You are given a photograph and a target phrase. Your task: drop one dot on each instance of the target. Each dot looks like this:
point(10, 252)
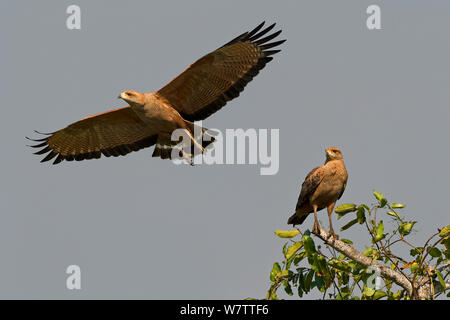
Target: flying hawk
point(151, 117)
point(322, 187)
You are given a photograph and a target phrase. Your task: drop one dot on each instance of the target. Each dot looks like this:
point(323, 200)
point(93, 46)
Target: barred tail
point(297, 218)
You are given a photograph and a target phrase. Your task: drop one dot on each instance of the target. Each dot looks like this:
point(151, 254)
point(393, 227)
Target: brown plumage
point(151, 117)
point(322, 187)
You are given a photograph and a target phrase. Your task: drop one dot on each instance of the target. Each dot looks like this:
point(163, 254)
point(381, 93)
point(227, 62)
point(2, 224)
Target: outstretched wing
point(221, 75)
point(312, 181)
point(113, 133)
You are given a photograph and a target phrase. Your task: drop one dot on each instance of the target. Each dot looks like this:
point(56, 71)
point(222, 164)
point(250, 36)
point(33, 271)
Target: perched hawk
point(322, 187)
point(151, 117)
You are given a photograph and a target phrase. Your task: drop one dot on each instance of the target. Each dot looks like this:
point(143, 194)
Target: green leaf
point(344, 296)
point(405, 228)
point(361, 215)
point(275, 270)
point(414, 267)
point(340, 266)
point(393, 213)
point(282, 274)
point(284, 248)
point(347, 241)
point(287, 233)
point(319, 283)
point(322, 264)
point(299, 257)
point(388, 284)
point(289, 262)
point(446, 242)
point(343, 209)
point(434, 252)
point(308, 243)
point(445, 231)
point(368, 291)
point(312, 260)
point(287, 288)
point(378, 295)
point(369, 252)
point(300, 292)
point(301, 284)
point(379, 232)
point(308, 280)
point(380, 198)
point(378, 195)
point(348, 225)
point(441, 279)
point(397, 295)
point(293, 249)
point(397, 206)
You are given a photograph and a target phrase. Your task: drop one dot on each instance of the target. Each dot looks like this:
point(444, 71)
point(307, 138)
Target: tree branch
point(353, 254)
point(424, 284)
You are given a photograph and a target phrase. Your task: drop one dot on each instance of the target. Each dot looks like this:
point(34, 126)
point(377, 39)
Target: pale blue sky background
point(141, 227)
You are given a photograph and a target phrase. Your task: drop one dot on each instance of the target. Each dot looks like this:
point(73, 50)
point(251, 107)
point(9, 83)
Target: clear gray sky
point(141, 227)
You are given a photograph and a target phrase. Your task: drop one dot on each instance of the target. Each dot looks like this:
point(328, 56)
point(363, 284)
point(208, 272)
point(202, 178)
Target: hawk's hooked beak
point(123, 96)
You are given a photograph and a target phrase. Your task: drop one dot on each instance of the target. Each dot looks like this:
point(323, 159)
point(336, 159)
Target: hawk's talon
point(331, 234)
point(315, 229)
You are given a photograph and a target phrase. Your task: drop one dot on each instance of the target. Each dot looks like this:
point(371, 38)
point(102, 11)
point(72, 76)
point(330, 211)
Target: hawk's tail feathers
point(297, 219)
